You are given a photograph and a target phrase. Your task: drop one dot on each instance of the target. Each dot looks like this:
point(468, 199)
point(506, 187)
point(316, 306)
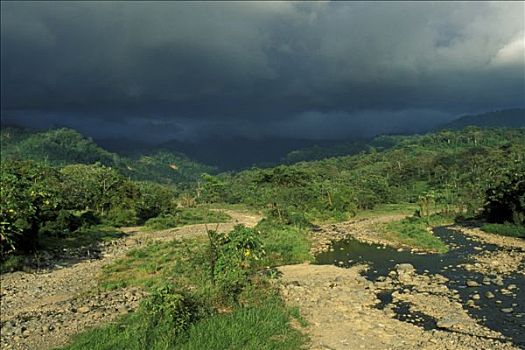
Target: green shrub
point(506, 229)
point(506, 201)
point(12, 263)
point(170, 309)
point(232, 257)
point(30, 196)
point(65, 222)
point(120, 217)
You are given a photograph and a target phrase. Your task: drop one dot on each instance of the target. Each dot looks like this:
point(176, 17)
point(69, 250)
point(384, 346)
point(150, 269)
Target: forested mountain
point(60, 147)
point(507, 118)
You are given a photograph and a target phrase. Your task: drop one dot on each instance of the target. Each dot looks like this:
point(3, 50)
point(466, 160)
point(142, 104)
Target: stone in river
point(471, 283)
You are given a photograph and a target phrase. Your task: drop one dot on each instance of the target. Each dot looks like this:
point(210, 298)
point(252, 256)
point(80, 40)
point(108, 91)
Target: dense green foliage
point(455, 168)
point(60, 147)
point(505, 202)
point(39, 201)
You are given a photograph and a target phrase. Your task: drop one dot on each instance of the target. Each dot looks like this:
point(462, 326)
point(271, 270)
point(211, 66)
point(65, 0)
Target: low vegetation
point(416, 232)
point(505, 229)
point(214, 293)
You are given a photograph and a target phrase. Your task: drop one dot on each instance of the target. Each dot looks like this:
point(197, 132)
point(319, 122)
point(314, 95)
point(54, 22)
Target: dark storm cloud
point(309, 69)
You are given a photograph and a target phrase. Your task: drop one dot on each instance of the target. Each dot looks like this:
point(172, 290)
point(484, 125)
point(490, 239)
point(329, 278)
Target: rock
point(498, 281)
point(448, 321)
point(489, 295)
point(471, 283)
point(84, 309)
point(507, 310)
point(511, 286)
point(476, 296)
point(405, 268)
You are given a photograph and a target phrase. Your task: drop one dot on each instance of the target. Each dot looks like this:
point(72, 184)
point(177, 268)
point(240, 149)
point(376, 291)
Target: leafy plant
point(232, 256)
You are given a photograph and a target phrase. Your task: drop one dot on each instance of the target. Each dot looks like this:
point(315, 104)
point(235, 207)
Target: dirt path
point(40, 311)
point(341, 306)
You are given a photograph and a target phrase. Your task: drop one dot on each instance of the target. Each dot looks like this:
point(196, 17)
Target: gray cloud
point(316, 70)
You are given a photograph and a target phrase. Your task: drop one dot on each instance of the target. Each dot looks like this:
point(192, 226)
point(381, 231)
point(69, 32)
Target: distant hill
point(507, 118)
point(60, 147)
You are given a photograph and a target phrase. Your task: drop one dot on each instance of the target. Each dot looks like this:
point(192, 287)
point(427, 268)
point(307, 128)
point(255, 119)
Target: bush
point(65, 222)
point(119, 217)
point(30, 196)
point(232, 256)
point(154, 200)
point(170, 309)
point(506, 229)
point(506, 201)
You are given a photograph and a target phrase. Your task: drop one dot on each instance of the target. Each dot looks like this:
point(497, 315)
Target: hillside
point(507, 118)
point(60, 147)
point(453, 167)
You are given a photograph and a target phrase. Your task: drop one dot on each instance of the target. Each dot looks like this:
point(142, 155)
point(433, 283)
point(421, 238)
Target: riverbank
point(466, 297)
point(341, 307)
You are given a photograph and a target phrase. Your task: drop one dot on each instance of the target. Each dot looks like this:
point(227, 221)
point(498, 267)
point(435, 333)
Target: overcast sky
point(316, 70)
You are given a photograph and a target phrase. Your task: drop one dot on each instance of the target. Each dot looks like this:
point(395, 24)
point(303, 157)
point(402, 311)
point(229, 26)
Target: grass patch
point(197, 315)
point(180, 262)
point(250, 328)
point(187, 216)
point(283, 244)
point(415, 232)
point(506, 229)
point(191, 326)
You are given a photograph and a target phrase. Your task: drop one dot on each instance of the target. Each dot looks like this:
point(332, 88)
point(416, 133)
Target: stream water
point(383, 259)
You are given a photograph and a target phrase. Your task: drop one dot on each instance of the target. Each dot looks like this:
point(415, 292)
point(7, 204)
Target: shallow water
point(383, 259)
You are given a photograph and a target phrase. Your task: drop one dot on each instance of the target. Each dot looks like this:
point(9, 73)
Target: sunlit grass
point(416, 233)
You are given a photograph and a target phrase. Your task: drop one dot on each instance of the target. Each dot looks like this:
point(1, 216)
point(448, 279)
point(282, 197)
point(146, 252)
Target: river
point(504, 313)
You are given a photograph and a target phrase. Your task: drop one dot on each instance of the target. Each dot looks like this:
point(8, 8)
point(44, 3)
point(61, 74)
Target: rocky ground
point(341, 309)
point(41, 310)
point(344, 310)
point(503, 262)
